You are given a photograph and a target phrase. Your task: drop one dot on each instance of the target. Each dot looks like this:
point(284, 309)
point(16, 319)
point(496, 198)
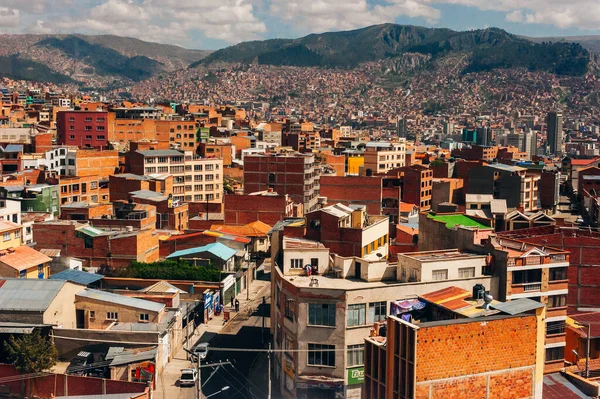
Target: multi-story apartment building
point(82, 188)
point(182, 134)
point(349, 231)
point(383, 156)
point(513, 183)
point(195, 179)
point(293, 174)
point(82, 128)
point(319, 322)
point(416, 185)
point(58, 161)
point(538, 273)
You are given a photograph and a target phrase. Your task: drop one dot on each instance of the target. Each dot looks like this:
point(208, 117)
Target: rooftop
point(216, 249)
point(77, 276)
point(254, 229)
point(161, 153)
point(434, 256)
point(301, 243)
point(6, 225)
point(22, 258)
point(117, 299)
point(456, 219)
point(28, 295)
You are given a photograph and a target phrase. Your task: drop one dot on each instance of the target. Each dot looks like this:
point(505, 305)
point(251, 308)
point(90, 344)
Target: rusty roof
point(22, 258)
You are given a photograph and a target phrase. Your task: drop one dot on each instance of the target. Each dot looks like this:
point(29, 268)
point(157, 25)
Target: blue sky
point(213, 24)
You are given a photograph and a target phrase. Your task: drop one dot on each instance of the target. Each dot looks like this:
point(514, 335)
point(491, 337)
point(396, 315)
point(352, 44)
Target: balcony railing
point(528, 287)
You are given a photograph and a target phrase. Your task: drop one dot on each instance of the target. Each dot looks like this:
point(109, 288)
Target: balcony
point(530, 287)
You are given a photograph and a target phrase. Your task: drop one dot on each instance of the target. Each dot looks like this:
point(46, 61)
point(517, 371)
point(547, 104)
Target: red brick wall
point(54, 385)
point(353, 190)
point(244, 209)
point(77, 136)
point(471, 348)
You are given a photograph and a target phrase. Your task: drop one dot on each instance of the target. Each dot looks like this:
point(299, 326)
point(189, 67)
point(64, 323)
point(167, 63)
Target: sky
point(214, 24)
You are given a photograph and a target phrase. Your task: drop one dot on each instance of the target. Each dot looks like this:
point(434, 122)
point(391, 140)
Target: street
point(246, 375)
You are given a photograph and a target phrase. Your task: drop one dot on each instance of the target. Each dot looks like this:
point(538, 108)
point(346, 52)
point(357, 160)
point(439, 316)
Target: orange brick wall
point(508, 385)
point(97, 163)
point(456, 349)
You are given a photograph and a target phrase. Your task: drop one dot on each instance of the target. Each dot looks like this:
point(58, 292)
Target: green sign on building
point(356, 375)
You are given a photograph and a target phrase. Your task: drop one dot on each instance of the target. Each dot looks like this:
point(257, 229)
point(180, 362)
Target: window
point(466, 272)
point(72, 128)
point(271, 177)
point(71, 137)
point(100, 138)
point(555, 327)
point(17, 234)
point(100, 128)
point(6, 236)
point(377, 311)
point(99, 119)
point(88, 128)
point(144, 317)
point(162, 159)
point(88, 119)
point(321, 355)
point(289, 309)
point(553, 354)
point(112, 316)
point(88, 137)
point(321, 314)
point(527, 276)
point(356, 355)
point(557, 301)
point(558, 273)
point(438, 275)
point(92, 314)
point(357, 314)
point(295, 263)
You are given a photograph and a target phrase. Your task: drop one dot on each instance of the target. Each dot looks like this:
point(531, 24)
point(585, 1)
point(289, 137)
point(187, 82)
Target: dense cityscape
point(296, 223)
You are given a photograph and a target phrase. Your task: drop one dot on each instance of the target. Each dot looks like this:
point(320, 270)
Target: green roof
point(456, 219)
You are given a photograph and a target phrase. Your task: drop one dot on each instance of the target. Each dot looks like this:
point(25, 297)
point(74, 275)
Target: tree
point(31, 353)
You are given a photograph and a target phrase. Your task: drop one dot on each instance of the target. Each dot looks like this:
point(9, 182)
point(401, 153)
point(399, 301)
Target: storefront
point(319, 388)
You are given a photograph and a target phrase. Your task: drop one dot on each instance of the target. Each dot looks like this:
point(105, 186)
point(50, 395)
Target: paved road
point(246, 377)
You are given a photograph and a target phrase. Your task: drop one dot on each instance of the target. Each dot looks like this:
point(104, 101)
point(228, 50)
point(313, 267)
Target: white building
point(59, 160)
point(383, 156)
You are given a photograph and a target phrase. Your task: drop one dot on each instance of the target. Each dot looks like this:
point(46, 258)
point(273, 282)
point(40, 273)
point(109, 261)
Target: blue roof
point(77, 276)
point(14, 148)
point(216, 248)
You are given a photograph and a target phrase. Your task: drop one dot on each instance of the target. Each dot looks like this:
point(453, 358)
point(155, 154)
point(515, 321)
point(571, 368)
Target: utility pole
point(199, 378)
point(269, 357)
point(587, 351)
point(262, 332)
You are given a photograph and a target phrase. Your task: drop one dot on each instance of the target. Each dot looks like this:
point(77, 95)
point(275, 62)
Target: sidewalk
point(167, 383)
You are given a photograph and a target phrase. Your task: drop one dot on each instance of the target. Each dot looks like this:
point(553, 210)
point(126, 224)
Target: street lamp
point(587, 349)
point(226, 387)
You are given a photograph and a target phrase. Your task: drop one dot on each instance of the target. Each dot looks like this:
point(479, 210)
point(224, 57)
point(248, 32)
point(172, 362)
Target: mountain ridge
point(348, 49)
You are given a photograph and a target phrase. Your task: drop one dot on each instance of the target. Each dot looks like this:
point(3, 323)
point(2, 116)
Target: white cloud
point(9, 18)
point(324, 15)
point(583, 14)
point(515, 16)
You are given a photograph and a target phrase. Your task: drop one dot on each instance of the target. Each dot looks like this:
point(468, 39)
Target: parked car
point(80, 364)
point(188, 378)
point(201, 351)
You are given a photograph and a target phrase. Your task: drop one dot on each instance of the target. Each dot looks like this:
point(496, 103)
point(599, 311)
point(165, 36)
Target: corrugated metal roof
point(22, 258)
point(28, 295)
point(77, 276)
point(517, 306)
point(128, 357)
point(162, 286)
point(91, 231)
point(137, 303)
point(216, 248)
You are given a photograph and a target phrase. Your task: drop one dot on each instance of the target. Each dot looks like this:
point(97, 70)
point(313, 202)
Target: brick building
point(76, 189)
point(293, 174)
point(381, 157)
point(217, 149)
point(121, 185)
point(363, 190)
point(584, 252)
point(82, 128)
point(266, 206)
point(94, 246)
point(415, 182)
point(349, 231)
point(96, 163)
point(419, 356)
point(182, 134)
point(195, 179)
